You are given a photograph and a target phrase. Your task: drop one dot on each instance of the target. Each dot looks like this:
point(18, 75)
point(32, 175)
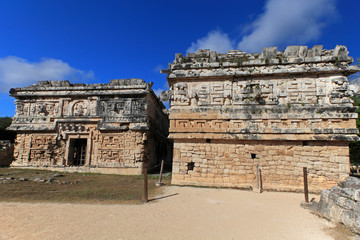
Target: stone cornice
point(294, 60)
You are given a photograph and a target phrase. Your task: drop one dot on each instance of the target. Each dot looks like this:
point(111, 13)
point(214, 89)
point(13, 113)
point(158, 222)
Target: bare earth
point(184, 213)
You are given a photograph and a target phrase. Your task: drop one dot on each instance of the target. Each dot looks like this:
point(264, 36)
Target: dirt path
point(186, 213)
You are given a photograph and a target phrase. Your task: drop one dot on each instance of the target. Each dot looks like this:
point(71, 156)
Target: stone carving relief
point(283, 91)
point(19, 110)
point(340, 93)
point(41, 149)
point(111, 141)
point(322, 93)
point(122, 107)
point(59, 153)
point(40, 157)
point(110, 157)
point(218, 93)
point(254, 92)
point(20, 152)
point(166, 95)
point(80, 108)
point(180, 95)
point(203, 94)
point(66, 128)
point(42, 141)
point(137, 107)
point(36, 110)
point(257, 125)
point(301, 91)
point(110, 150)
point(267, 93)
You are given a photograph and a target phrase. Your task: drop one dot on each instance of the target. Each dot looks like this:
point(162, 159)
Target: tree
point(5, 134)
point(5, 122)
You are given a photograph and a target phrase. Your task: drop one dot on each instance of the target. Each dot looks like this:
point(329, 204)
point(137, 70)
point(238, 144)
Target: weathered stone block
point(339, 203)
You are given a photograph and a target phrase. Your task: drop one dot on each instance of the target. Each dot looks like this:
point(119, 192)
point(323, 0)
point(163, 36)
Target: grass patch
point(29, 185)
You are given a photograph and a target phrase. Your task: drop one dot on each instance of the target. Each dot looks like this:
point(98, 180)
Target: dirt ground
point(179, 213)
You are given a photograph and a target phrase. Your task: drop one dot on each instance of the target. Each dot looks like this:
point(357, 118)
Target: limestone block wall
point(222, 163)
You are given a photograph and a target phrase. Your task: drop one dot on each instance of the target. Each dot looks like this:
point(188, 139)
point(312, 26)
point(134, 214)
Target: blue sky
point(93, 41)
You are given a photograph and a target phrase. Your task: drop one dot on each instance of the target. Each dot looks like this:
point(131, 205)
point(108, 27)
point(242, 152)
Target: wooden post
point(159, 184)
point(161, 170)
point(260, 182)
point(306, 187)
point(145, 182)
point(257, 177)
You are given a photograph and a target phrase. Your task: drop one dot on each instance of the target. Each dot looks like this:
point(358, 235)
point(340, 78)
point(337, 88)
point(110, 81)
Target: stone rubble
point(341, 203)
point(45, 179)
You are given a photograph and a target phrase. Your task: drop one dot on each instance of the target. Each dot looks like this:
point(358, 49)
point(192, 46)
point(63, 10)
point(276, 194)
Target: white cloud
point(283, 22)
point(165, 87)
point(19, 72)
point(158, 91)
point(288, 22)
point(215, 41)
point(158, 68)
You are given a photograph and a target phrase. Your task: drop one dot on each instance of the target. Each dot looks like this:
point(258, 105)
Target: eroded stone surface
point(342, 203)
point(289, 109)
point(113, 127)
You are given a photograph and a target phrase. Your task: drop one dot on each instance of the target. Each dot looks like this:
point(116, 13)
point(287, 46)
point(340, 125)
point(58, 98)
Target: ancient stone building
point(107, 128)
point(282, 110)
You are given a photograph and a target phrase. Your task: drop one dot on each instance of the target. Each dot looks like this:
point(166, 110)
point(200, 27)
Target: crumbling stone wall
point(341, 203)
point(112, 119)
point(290, 109)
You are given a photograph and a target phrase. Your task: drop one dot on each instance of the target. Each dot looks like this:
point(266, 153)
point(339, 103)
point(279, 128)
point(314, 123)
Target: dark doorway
point(77, 152)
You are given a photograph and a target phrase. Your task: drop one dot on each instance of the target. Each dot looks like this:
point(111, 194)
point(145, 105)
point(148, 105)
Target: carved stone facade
point(107, 128)
point(280, 110)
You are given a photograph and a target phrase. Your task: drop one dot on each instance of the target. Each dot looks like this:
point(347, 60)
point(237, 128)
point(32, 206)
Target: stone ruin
point(278, 110)
point(230, 114)
point(107, 128)
point(341, 204)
